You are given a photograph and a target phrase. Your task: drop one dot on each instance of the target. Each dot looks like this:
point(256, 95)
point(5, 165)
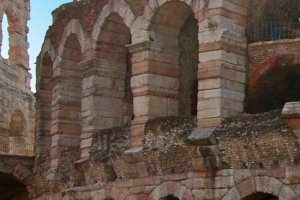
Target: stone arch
point(170, 25)
point(49, 48)
point(170, 188)
point(20, 141)
point(167, 20)
point(44, 101)
point(14, 174)
point(263, 184)
point(270, 63)
point(110, 96)
point(280, 72)
point(119, 7)
point(45, 67)
point(12, 24)
point(11, 188)
point(114, 58)
point(18, 124)
point(153, 5)
point(73, 27)
point(67, 92)
point(17, 31)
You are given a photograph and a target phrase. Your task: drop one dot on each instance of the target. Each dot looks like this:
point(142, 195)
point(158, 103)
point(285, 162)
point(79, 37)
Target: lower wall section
point(229, 184)
point(248, 157)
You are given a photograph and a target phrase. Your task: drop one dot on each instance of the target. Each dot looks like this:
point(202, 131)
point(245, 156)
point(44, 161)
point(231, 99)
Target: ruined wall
point(17, 101)
point(136, 61)
point(245, 155)
point(117, 116)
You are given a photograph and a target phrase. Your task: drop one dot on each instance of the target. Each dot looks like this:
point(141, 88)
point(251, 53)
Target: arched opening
point(260, 196)
point(11, 189)
point(274, 88)
point(69, 87)
point(188, 67)
point(44, 107)
point(4, 40)
point(169, 197)
point(116, 61)
point(17, 124)
point(66, 103)
point(175, 26)
point(20, 142)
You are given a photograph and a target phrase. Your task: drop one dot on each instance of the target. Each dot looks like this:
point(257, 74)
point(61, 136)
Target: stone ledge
point(291, 110)
point(291, 114)
point(203, 136)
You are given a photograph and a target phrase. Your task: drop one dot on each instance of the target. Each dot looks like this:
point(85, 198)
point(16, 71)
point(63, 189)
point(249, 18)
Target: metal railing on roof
point(269, 31)
point(19, 149)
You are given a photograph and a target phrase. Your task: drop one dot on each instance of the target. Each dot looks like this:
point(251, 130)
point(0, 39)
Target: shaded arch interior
point(111, 46)
point(175, 26)
point(260, 196)
point(17, 124)
point(274, 88)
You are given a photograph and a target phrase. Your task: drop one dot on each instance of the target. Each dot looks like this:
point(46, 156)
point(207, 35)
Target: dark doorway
point(261, 196)
point(169, 197)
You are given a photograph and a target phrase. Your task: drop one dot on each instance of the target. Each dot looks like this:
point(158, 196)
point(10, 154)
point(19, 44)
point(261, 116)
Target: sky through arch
point(39, 23)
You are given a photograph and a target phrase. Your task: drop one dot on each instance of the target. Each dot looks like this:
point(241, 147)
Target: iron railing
point(21, 149)
point(269, 31)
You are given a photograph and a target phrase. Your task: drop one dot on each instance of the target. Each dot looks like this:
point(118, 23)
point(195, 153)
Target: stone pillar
point(43, 124)
point(221, 71)
point(66, 119)
point(103, 89)
point(155, 84)
point(291, 115)
point(18, 14)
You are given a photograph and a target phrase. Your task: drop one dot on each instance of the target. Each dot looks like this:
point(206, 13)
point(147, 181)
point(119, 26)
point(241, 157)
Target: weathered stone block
point(202, 136)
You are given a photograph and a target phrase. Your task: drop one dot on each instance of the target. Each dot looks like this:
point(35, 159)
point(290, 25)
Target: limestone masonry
point(154, 100)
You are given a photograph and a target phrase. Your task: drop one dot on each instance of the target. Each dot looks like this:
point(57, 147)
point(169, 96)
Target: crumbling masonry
point(146, 99)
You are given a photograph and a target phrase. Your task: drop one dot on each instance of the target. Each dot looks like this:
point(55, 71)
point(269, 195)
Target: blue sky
point(39, 23)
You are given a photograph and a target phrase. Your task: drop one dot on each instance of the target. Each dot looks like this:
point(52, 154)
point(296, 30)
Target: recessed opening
point(111, 46)
point(260, 196)
point(188, 67)
point(17, 124)
point(169, 197)
point(274, 88)
point(5, 37)
point(174, 26)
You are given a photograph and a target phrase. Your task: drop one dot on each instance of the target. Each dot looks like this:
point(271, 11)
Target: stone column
point(155, 84)
point(103, 89)
point(221, 71)
point(43, 124)
point(291, 115)
point(66, 120)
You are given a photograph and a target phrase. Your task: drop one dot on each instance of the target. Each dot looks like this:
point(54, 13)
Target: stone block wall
point(17, 101)
point(137, 97)
point(139, 60)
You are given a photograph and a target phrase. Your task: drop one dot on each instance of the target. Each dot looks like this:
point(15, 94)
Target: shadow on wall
point(274, 88)
point(261, 196)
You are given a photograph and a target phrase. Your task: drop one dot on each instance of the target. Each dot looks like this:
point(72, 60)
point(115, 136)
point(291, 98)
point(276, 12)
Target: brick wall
point(261, 51)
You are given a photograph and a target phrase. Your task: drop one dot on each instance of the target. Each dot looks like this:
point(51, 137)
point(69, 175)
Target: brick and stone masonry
point(17, 116)
point(143, 99)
